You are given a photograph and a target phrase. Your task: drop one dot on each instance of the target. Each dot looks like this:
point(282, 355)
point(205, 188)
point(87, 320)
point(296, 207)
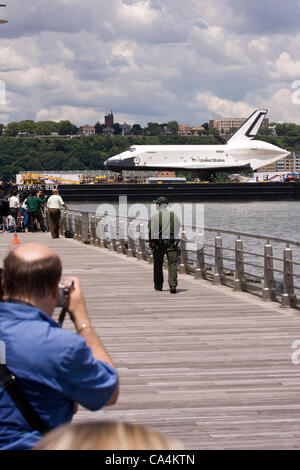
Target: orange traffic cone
point(16, 241)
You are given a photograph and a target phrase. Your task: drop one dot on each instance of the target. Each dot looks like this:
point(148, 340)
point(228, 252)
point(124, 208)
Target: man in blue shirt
point(55, 368)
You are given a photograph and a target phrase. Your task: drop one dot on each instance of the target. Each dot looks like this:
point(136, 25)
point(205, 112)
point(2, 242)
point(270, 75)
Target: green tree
point(265, 131)
point(12, 129)
point(136, 129)
point(288, 129)
point(99, 128)
point(46, 127)
point(154, 128)
point(27, 126)
point(117, 128)
point(214, 131)
point(173, 127)
point(66, 128)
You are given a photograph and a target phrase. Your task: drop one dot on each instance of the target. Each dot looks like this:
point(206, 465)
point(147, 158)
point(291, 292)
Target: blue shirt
point(54, 367)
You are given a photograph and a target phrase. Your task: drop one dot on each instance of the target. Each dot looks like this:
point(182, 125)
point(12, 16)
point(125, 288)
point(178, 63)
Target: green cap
point(161, 200)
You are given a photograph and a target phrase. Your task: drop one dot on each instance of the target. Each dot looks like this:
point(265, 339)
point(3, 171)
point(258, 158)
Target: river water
point(278, 219)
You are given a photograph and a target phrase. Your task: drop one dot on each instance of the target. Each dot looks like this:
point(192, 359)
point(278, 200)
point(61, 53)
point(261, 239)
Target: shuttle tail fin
point(250, 128)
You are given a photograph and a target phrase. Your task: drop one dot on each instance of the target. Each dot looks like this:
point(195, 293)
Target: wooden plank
point(208, 366)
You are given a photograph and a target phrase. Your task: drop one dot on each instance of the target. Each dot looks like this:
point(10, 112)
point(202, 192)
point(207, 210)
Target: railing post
point(64, 224)
point(85, 227)
point(239, 275)
point(76, 228)
point(150, 256)
point(79, 221)
point(61, 222)
point(101, 232)
point(121, 246)
point(112, 244)
point(182, 269)
point(141, 253)
point(96, 239)
point(200, 258)
point(130, 251)
point(288, 298)
point(93, 230)
point(269, 290)
point(219, 270)
point(70, 223)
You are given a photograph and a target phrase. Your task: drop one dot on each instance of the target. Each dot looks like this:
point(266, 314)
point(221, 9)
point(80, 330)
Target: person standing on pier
point(54, 205)
point(164, 227)
point(33, 205)
point(14, 204)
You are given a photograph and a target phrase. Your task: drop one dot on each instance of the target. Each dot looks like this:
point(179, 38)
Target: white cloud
point(283, 108)
point(72, 113)
point(148, 59)
point(138, 12)
point(285, 67)
point(11, 60)
point(223, 107)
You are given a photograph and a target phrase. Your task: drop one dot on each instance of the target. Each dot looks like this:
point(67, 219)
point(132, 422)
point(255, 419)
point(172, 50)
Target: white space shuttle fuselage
point(239, 152)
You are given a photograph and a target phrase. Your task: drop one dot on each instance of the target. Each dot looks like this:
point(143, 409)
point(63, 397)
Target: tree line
point(66, 127)
point(86, 153)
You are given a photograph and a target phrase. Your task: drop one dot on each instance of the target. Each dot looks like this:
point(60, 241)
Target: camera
point(63, 293)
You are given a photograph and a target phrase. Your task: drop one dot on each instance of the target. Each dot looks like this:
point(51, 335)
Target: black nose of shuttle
point(112, 163)
point(116, 164)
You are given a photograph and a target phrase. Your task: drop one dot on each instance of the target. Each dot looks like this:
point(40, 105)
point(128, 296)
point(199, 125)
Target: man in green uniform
point(164, 227)
point(34, 204)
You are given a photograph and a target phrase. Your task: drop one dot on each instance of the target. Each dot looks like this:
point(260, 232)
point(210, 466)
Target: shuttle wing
point(250, 128)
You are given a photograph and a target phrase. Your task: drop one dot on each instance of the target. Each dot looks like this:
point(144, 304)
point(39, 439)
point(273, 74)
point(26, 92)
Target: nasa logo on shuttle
point(136, 160)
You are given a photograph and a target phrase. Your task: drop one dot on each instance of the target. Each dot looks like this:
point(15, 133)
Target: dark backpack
point(69, 234)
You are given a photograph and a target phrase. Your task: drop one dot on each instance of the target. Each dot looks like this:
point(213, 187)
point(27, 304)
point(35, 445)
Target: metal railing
point(257, 264)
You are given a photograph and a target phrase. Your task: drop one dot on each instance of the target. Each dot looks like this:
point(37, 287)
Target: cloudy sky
point(149, 60)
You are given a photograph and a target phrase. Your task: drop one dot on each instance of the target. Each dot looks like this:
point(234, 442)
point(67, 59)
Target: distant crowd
point(21, 211)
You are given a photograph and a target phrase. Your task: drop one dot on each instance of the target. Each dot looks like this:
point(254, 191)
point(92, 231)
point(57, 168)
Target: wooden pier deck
point(208, 366)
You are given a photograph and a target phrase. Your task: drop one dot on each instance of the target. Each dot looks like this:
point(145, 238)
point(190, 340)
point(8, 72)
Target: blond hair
point(106, 436)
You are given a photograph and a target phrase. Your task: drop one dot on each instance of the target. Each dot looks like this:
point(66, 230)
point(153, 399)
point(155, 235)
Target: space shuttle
point(241, 152)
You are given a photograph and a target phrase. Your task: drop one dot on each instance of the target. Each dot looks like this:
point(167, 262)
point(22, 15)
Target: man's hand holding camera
point(76, 304)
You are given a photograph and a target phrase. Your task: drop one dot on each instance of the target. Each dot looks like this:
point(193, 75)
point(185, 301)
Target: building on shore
point(225, 125)
point(109, 119)
point(186, 130)
point(87, 130)
point(108, 131)
point(126, 128)
point(290, 164)
point(166, 174)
